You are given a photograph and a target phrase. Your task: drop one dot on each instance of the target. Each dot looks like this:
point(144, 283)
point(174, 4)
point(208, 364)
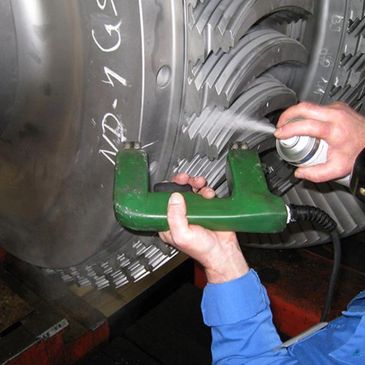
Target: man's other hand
point(340, 126)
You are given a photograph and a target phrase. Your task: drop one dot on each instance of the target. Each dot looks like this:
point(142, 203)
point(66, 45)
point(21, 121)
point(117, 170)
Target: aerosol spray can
point(305, 151)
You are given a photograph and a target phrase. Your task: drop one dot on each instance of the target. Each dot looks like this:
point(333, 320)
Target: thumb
point(176, 217)
point(318, 173)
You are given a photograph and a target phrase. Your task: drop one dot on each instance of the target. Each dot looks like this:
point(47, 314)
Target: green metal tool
point(250, 208)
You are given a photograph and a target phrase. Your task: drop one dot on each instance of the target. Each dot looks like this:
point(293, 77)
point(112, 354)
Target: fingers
point(177, 220)
point(196, 182)
point(166, 237)
point(307, 110)
point(340, 126)
point(319, 173)
point(181, 178)
point(207, 193)
point(304, 127)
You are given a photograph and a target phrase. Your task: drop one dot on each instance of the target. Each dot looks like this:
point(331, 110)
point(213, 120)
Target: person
point(235, 304)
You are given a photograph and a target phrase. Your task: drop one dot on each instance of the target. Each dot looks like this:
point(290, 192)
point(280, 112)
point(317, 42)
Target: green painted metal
point(250, 208)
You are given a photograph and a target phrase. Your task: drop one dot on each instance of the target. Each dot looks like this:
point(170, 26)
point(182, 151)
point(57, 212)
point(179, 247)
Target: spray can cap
point(297, 150)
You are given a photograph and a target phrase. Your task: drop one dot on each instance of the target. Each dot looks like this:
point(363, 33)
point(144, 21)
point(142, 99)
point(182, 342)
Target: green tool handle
point(250, 207)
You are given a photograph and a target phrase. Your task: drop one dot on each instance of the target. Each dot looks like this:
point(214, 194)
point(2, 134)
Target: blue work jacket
point(240, 318)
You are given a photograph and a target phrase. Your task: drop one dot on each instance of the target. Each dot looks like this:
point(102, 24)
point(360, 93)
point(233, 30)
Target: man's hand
point(218, 252)
point(339, 125)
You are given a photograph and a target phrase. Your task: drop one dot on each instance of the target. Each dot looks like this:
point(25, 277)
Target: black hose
point(316, 215)
point(312, 214)
point(333, 279)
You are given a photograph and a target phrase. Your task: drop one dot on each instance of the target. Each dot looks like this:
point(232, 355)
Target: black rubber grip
point(169, 187)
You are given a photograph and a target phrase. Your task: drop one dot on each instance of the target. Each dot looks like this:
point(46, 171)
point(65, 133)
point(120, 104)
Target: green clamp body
point(251, 207)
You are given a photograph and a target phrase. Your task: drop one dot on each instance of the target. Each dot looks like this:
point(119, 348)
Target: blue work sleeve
point(240, 318)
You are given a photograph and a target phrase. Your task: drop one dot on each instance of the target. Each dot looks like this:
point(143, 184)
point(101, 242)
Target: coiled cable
point(320, 217)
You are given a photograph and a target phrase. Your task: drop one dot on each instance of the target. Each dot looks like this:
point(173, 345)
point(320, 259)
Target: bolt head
point(244, 146)
point(240, 146)
point(131, 145)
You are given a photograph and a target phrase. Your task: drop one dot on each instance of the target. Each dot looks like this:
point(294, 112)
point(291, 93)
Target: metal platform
point(44, 321)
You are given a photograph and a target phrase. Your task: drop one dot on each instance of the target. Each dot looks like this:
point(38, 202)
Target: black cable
point(316, 215)
point(333, 279)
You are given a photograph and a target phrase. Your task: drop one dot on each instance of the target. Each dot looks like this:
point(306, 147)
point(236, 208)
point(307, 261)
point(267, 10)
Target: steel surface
point(78, 78)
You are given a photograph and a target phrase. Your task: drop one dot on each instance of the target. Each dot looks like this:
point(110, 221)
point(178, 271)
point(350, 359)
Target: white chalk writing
point(112, 128)
point(103, 5)
point(109, 74)
point(110, 30)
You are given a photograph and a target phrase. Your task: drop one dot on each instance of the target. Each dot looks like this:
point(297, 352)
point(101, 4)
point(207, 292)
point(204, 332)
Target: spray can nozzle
point(302, 150)
point(290, 142)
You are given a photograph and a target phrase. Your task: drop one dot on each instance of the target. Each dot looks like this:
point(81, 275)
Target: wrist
point(230, 265)
point(220, 277)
